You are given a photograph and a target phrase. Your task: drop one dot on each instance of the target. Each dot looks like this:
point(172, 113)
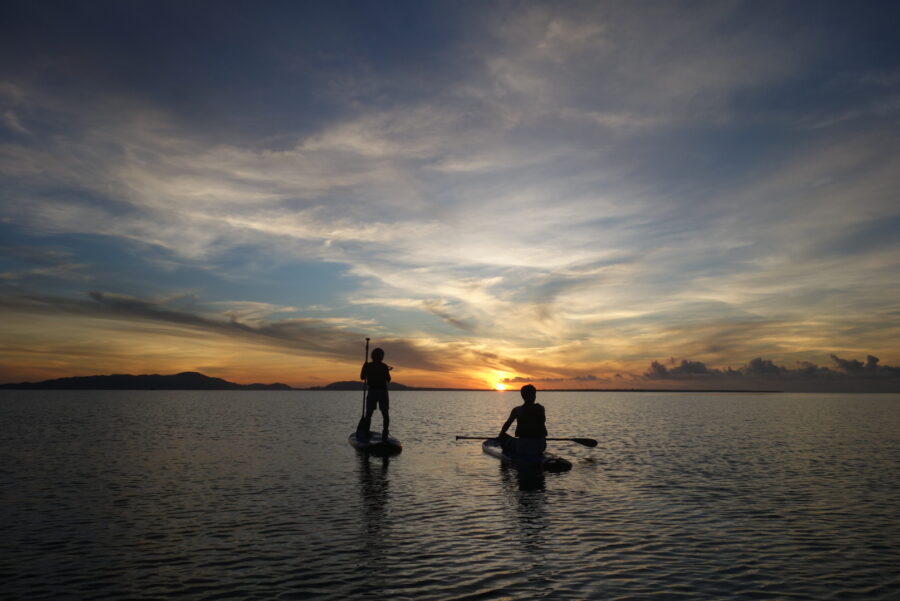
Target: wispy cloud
point(592, 184)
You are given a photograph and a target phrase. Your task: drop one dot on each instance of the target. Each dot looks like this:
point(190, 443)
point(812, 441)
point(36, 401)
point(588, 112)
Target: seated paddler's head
point(528, 393)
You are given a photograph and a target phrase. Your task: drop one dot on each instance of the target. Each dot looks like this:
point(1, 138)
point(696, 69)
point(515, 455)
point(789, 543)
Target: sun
point(499, 386)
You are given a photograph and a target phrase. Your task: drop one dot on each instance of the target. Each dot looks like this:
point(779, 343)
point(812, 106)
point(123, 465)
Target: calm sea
point(257, 495)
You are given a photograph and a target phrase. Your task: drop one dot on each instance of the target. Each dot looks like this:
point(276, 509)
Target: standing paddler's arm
point(362, 372)
point(508, 423)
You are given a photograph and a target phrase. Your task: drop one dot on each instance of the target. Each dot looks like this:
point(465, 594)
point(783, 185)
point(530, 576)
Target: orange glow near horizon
point(44, 346)
point(496, 380)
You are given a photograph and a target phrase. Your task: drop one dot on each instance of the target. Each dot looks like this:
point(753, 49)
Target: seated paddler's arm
point(508, 423)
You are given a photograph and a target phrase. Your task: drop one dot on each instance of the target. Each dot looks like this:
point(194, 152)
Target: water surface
point(257, 495)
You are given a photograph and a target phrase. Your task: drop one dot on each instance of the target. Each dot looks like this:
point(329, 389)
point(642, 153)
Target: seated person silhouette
point(531, 432)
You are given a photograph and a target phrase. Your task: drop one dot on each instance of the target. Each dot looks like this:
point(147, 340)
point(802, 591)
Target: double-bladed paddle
point(588, 442)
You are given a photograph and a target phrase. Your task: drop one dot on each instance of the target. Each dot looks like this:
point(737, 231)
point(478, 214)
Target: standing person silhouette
point(377, 374)
point(531, 431)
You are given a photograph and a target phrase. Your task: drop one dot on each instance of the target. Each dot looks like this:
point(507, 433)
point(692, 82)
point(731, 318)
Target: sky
point(573, 194)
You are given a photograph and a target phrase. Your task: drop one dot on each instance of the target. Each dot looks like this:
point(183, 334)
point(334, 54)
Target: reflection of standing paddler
point(374, 486)
point(375, 495)
point(376, 374)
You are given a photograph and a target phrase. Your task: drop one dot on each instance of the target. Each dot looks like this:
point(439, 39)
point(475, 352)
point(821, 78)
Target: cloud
point(13, 123)
point(759, 371)
point(605, 182)
point(328, 337)
point(870, 368)
point(526, 379)
point(686, 368)
point(34, 265)
point(70, 271)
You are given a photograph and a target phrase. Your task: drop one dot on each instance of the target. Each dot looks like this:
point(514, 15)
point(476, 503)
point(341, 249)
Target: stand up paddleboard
point(547, 461)
point(374, 444)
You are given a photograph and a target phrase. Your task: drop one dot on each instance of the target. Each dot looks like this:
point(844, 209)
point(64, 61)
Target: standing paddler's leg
point(385, 408)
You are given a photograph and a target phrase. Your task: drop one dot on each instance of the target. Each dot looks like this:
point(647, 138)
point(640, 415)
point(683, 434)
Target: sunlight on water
point(257, 495)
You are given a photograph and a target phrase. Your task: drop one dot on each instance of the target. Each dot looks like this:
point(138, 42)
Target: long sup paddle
point(362, 429)
point(588, 442)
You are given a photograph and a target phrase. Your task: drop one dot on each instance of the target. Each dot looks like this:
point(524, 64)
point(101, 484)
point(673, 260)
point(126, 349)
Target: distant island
point(188, 380)
point(358, 385)
point(192, 380)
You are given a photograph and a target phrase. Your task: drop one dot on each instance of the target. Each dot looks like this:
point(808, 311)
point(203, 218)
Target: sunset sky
point(494, 192)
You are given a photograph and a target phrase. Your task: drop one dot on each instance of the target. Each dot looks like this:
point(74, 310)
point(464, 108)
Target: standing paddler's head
point(528, 394)
point(377, 355)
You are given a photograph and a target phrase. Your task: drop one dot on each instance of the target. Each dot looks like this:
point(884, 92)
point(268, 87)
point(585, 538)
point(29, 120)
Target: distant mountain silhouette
point(357, 385)
point(191, 380)
point(188, 380)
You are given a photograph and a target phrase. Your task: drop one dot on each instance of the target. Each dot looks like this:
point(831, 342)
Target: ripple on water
point(258, 496)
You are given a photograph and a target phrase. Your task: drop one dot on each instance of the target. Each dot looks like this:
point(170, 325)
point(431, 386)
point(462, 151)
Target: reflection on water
point(210, 496)
point(525, 492)
point(374, 490)
point(524, 478)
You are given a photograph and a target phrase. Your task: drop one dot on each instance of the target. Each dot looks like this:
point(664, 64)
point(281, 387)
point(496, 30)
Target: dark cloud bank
point(845, 375)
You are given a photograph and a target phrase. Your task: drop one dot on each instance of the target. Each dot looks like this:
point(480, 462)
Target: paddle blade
point(588, 442)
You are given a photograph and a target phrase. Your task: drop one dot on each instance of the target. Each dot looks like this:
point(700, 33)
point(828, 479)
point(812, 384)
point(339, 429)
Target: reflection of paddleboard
point(373, 444)
point(547, 461)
